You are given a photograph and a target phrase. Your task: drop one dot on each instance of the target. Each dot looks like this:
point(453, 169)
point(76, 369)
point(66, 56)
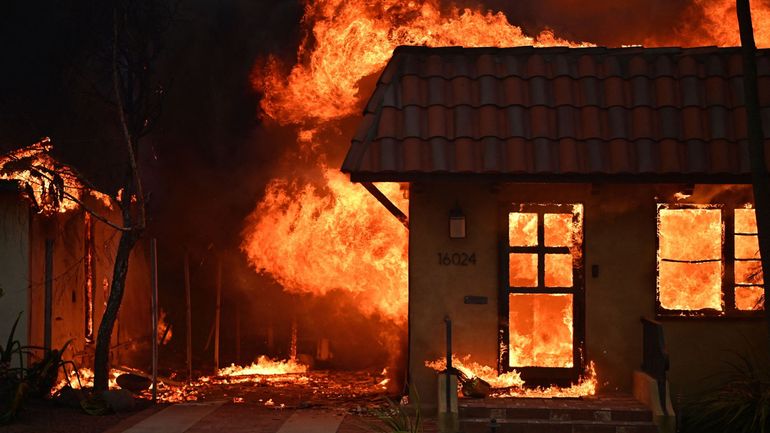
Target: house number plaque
point(456, 259)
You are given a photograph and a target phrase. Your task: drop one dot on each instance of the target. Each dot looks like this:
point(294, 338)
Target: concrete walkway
point(175, 419)
point(315, 421)
point(217, 417)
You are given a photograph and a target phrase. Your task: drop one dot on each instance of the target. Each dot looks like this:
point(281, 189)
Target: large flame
point(314, 240)
point(690, 258)
point(350, 40)
point(715, 22)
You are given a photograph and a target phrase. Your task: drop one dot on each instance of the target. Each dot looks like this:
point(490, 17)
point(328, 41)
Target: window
point(708, 261)
point(543, 285)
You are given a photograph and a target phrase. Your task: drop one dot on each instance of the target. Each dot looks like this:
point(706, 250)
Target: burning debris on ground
point(283, 385)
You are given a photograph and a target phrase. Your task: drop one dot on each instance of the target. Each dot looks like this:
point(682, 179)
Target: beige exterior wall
point(620, 238)
point(14, 269)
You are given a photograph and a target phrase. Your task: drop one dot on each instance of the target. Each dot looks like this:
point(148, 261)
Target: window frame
point(728, 285)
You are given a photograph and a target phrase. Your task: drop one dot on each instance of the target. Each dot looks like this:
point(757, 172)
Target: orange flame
point(690, 258)
point(351, 40)
point(165, 330)
point(541, 325)
point(86, 376)
point(512, 385)
point(37, 172)
point(747, 266)
point(316, 241)
point(717, 24)
point(264, 366)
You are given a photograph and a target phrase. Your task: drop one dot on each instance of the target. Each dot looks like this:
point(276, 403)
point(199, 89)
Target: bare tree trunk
point(759, 173)
point(117, 288)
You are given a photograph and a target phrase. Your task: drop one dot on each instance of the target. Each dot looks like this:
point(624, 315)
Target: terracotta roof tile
point(537, 111)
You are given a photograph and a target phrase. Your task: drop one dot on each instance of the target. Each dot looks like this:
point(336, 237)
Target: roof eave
point(619, 178)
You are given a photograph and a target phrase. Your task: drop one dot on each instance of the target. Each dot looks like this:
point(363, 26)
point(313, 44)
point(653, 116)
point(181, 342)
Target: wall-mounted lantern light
point(456, 223)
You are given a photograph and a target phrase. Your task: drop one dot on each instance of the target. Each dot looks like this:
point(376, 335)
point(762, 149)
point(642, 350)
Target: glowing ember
point(264, 366)
point(690, 258)
point(165, 331)
point(86, 376)
point(40, 176)
point(511, 385)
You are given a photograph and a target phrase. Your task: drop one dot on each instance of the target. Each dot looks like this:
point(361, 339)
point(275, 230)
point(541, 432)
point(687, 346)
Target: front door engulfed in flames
point(541, 301)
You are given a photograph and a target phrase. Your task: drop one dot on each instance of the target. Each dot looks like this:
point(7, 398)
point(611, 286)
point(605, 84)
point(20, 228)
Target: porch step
point(603, 414)
point(481, 425)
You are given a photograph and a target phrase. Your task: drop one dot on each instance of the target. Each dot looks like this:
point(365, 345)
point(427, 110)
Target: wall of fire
point(620, 245)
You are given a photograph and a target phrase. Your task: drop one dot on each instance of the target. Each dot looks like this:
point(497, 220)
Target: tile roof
point(558, 113)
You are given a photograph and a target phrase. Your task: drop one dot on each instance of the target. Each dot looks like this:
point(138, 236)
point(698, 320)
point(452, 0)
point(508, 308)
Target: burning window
point(748, 266)
point(544, 259)
point(693, 269)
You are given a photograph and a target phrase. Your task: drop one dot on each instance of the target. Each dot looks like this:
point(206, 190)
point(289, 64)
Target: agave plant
point(12, 385)
point(739, 403)
point(18, 382)
point(395, 418)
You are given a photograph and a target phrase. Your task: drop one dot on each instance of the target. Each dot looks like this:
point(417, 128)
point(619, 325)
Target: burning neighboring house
point(557, 195)
point(58, 260)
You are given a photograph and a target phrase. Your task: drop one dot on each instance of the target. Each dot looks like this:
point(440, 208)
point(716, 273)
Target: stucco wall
point(130, 338)
point(620, 238)
point(14, 272)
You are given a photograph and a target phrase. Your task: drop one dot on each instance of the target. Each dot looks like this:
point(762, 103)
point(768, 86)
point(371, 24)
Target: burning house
point(557, 196)
point(57, 263)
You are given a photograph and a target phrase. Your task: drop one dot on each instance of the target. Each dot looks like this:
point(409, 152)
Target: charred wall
point(131, 335)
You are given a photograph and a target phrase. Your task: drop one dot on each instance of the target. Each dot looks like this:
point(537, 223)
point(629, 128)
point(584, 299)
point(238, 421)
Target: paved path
point(178, 418)
point(216, 417)
point(312, 421)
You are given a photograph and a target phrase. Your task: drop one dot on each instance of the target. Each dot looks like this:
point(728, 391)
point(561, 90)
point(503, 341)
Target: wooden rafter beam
point(385, 201)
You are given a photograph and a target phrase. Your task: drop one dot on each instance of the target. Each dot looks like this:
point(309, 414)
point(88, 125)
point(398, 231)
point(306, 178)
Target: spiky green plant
point(738, 403)
point(397, 418)
point(12, 386)
point(17, 383)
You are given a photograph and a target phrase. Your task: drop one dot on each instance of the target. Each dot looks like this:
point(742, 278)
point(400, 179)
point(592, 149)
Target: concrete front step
point(482, 425)
point(616, 413)
point(605, 409)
